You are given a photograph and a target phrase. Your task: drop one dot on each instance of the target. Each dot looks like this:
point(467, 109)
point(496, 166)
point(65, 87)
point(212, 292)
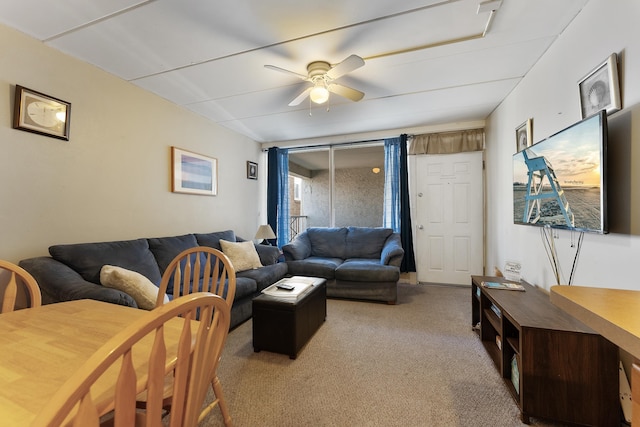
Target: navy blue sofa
point(73, 271)
point(358, 262)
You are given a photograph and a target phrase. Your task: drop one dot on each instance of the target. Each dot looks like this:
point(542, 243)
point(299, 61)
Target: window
point(338, 186)
point(297, 189)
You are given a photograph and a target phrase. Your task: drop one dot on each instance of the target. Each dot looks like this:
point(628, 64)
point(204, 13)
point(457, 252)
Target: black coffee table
point(282, 326)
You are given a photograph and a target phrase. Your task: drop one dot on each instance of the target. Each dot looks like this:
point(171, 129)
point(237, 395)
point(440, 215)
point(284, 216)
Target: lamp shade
point(265, 232)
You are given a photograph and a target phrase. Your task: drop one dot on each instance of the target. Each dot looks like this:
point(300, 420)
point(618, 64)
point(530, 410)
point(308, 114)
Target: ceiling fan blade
point(300, 97)
point(282, 70)
point(347, 92)
point(351, 63)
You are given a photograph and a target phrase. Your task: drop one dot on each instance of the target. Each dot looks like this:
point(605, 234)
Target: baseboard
point(410, 278)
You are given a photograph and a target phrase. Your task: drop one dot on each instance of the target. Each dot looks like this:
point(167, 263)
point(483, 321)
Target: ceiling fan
point(321, 74)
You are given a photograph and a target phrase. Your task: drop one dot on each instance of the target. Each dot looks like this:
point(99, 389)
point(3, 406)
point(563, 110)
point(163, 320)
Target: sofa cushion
point(245, 287)
point(314, 267)
point(327, 242)
point(212, 240)
point(141, 289)
point(165, 249)
point(268, 254)
point(366, 242)
point(88, 258)
point(267, 275)
point(243, 255)
point(366, 270)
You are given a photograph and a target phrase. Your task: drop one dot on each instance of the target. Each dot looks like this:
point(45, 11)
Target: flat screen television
point(561, 181)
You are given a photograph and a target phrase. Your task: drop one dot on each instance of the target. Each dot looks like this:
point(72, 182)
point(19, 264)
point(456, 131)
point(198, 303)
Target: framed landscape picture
point(600, 89)
point(193, 173)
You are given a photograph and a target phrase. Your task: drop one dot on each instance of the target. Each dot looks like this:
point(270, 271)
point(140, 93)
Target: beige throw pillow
point(243, 255)
point(141, 289)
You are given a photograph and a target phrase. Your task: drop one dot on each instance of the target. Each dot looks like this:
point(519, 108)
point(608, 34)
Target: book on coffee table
point(290, 288)
point(510, 286)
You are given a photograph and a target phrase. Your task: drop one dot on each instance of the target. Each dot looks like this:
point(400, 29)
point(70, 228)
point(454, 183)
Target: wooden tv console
point(563, 370)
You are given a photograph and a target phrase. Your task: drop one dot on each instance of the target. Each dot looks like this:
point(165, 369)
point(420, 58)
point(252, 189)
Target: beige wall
point(111, 181)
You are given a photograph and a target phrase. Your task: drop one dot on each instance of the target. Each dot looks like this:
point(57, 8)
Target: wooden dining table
point(42, 347)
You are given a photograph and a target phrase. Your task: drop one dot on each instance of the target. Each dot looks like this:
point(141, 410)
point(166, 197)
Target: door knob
point(420, 227)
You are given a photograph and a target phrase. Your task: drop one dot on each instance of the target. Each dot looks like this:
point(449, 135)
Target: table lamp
point(265, 232)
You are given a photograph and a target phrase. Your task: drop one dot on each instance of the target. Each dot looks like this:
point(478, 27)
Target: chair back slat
point(125, 397)
point(86, 413)
point(10, 294)
point(155, 386)
point(208, 283)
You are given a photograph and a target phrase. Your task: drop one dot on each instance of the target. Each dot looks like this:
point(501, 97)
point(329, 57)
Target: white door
point(449, 217)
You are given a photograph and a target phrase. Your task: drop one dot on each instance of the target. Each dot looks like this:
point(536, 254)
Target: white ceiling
point(209, 55)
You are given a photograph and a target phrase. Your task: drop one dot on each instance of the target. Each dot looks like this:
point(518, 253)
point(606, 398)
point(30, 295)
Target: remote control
point(285, 287)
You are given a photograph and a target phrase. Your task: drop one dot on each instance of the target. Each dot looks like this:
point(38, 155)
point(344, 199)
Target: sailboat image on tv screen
point(556, 209)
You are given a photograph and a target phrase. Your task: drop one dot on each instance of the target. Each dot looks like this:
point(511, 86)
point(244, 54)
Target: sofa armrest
point(268, 254)
point(392, 252)
point(58, 282)
point(299, 248)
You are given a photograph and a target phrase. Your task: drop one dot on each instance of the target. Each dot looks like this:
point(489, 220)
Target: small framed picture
point(252, 170)
point(600, 89)
point(39, 113)
point(193, 173)
point(524, 135)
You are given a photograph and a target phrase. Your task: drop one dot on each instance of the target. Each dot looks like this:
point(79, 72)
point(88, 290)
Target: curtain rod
point(339, 144)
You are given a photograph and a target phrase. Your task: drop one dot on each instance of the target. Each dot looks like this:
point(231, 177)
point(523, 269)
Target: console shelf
point(554, 366)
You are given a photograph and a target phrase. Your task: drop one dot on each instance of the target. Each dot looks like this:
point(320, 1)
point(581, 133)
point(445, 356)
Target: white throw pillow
point(243, 255)
point(141, 289)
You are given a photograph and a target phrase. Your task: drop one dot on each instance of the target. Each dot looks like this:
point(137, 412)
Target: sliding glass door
point(358, 186)
point(336, 186)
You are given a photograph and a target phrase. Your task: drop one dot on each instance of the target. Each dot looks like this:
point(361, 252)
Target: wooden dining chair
point(206, 269)
point(190, 361)
point(18, 276)
point(199, 269)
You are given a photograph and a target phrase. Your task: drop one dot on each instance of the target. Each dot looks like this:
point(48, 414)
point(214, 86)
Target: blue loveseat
point(358, 262)
point(73, 271)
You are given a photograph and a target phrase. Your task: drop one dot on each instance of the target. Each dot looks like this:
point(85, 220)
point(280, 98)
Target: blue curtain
point(391, 213)
point(397, 213)
point(278, 193)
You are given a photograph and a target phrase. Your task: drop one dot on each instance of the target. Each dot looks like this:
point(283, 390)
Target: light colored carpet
point(417, 363)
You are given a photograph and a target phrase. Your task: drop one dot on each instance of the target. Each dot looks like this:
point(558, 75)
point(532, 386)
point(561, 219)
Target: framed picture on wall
point(600, 89)
point(252, 170)
point(40, 113)
point(193, 173)
point(524, 135)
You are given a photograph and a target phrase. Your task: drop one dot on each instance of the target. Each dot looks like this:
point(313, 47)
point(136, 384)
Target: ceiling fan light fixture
point(319, 94)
